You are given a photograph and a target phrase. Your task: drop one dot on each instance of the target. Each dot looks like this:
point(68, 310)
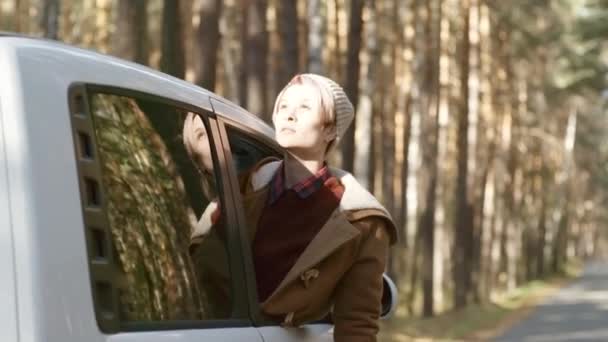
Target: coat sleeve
point(357, 300)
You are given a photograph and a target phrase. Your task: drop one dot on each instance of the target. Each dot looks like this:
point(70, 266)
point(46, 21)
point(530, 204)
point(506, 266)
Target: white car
point(98, 202)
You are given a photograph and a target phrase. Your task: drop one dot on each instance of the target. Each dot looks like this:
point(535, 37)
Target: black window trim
point(253, 134)
point(258, 317)
point(108, 321)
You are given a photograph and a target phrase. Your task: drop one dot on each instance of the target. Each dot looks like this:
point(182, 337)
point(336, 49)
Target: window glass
point(160, 198)
point(247, 151)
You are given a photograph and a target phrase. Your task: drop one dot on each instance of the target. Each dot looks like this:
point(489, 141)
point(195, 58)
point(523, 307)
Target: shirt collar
point(303, 189)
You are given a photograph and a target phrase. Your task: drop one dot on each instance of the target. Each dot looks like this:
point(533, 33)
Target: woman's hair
point(336, 109)
point(326, 99)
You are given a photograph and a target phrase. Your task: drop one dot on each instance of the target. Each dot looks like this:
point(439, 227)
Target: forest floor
point(480, 322)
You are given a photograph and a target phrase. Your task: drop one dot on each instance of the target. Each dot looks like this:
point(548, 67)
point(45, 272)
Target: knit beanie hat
point(343, 109)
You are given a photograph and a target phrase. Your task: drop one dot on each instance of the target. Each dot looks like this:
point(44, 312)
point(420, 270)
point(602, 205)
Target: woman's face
point(197, 141)
point(299, 123)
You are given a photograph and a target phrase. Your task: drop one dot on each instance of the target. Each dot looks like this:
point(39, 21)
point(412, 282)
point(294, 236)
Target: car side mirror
point(389, 297)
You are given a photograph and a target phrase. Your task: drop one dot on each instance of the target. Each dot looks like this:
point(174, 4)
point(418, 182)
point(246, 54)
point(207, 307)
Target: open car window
point(144, 202)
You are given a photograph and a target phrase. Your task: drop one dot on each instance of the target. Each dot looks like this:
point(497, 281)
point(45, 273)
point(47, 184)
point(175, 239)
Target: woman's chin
point(285, 142)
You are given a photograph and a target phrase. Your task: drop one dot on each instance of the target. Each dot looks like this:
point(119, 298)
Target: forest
point(479, 123)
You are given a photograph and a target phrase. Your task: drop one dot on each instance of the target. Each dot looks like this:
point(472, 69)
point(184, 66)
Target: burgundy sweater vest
point(285, 229)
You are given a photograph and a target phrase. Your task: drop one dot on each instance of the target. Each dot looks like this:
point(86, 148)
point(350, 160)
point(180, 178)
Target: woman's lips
point(287, 130)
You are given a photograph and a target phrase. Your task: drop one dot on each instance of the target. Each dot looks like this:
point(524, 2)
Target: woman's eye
point(305, 106)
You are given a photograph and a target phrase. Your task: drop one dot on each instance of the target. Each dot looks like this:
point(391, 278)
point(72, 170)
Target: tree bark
point(287, 14)
point(462, 231)
point(316, 34)
point(172, 59)
point(542, 227)
point(131, 38)
point(207, 44)
point(364, 117)
point(351, 84)
point(255, 51)
point(49, 23)
point(430, 150)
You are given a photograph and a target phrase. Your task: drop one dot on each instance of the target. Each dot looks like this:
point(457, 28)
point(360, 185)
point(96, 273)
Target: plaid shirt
point(303, 189)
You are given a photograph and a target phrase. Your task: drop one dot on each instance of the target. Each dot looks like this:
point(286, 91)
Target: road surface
point(578, 312)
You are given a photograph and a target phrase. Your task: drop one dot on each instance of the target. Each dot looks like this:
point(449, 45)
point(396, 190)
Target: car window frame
point(272, 146)
point(109, 321)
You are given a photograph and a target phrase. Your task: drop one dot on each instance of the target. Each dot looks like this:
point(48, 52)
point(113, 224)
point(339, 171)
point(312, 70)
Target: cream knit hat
point(342, 107)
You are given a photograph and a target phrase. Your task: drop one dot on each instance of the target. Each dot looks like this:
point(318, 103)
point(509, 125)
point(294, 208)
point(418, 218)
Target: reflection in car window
point(154, 197)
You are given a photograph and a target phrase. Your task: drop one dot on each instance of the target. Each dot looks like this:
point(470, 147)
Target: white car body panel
point(8, 298)
point(308, 333)
point(194, 335)
point(50, 295)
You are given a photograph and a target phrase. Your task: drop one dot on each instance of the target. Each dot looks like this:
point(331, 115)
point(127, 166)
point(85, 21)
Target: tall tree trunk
point(462, 231)
point(255, 52)
point(542, 228)
point(49, 22)
point(231, 46)
point(131, 38)
point(101, 40)
point(207, 43)
point(482, 145)
point(387, 108)
point(351, 85)
point(317, 12)
point(430, 150)
point(364, 117)
point(442, 244)
point(560, 244)
point(189, 14)
point(416, 142)
point(172, 59)
point(287, 21)
point(19, 17)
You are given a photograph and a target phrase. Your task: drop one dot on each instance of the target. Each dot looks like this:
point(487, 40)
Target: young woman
point(319, 239)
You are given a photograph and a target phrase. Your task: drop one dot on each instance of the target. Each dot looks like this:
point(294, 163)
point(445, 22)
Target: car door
point(246, 148)
point(8, 309)
point(143, 198)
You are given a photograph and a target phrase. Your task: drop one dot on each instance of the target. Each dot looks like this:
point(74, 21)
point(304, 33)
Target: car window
point(246, 150)
point(147, 206)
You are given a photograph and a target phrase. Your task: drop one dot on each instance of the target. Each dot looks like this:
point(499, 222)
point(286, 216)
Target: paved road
point(578, 312)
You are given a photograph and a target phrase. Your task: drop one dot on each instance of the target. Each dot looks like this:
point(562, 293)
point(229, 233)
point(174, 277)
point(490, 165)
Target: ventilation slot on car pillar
point(85, 147)
point(102, 266)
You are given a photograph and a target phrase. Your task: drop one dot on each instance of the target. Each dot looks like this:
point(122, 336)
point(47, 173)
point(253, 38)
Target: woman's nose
point(289, 114)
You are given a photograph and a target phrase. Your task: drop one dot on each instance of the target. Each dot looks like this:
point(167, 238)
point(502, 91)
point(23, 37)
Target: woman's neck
point(298, 169)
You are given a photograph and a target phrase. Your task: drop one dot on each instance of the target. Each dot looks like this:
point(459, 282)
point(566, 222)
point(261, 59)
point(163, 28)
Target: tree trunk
point(255, 51)
point(430, 145)
point(542, 230)
point(316, 35)
point(49, 23)
point(208, 41)
point(351, 85)
point(364, 117)
point(287, 21)
point(18, 16)
point(131, 38)
point(172, 59)
point(462, 231)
